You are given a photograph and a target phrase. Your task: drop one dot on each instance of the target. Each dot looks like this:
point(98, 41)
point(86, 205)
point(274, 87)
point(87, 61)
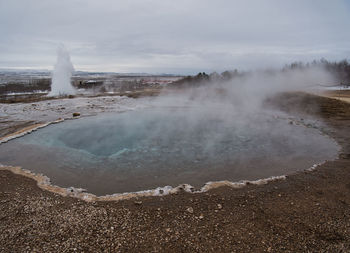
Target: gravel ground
point(51, 110)
point(307, 212)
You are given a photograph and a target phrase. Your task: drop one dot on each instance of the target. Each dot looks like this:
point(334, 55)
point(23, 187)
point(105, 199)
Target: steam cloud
point(239, 106)
point(61, 78)
point(246, 93)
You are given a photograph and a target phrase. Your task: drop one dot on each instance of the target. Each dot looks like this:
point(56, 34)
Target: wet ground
point(307, 212)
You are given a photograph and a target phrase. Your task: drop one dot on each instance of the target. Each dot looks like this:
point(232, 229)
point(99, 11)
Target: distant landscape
point(32, 81)
point(39, 81)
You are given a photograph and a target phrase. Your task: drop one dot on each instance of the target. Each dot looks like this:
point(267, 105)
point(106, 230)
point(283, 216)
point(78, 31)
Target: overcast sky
point(172, 36)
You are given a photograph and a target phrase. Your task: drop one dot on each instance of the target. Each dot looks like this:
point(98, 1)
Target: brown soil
point(10, 127)
point(307, 212)
point(343, 95)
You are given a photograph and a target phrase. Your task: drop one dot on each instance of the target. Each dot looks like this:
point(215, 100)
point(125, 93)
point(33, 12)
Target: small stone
point(201, 216)
point(138, 203)
point(219, 206)
point(190, 210)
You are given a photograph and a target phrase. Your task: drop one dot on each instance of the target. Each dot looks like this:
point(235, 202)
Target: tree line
point(339, 69)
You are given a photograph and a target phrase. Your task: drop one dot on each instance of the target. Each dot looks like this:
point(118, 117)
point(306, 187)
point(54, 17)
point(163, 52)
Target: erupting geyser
point(62, 73)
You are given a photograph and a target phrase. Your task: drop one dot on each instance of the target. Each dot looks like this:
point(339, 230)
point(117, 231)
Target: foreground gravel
point(307, 212)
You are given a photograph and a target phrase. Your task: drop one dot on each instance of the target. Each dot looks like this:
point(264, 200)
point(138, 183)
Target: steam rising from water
point(240, 104)
point(61, 78)
point(246, 94)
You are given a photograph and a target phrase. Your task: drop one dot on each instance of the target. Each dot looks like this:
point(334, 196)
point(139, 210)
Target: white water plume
point(62, 73)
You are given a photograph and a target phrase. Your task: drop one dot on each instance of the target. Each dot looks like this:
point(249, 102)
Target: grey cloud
point(172, 36)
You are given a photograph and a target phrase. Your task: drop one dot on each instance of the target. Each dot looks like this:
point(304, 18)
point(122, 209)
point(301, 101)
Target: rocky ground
point(53, 109)
point(307, 212)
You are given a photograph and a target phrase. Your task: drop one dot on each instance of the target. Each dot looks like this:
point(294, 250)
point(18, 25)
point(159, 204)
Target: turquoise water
point(139, 150)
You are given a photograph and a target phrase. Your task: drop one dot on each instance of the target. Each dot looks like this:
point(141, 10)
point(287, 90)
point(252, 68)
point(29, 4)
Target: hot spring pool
point(145, 149)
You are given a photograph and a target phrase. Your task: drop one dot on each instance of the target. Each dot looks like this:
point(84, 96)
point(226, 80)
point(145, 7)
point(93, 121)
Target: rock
point(189, 209)
point(138, 203)
point(219, 206)
point(76, 114)
point(201, 216)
